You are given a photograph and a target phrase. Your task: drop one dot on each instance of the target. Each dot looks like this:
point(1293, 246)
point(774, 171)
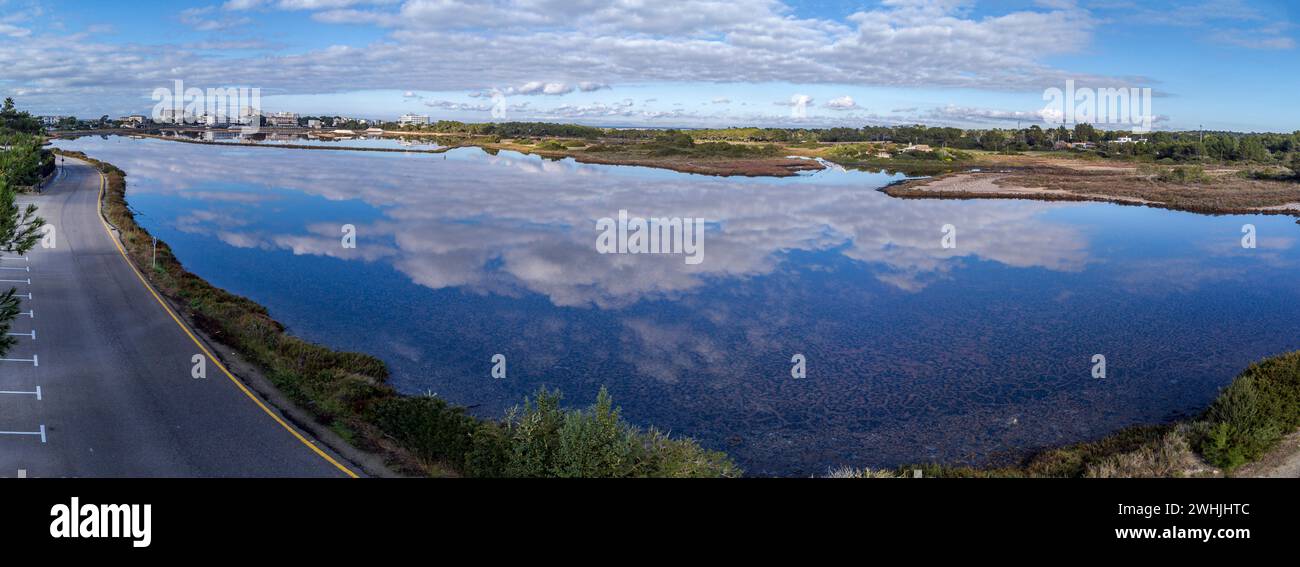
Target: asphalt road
point(113, 368)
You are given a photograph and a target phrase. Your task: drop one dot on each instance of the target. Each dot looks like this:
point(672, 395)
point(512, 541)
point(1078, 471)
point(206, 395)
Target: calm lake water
point(914, 352)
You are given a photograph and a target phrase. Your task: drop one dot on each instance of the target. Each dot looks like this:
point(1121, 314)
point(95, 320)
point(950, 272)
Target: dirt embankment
point(1281, 462)
point(1221, 190)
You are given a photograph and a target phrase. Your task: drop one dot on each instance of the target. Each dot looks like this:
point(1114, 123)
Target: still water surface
point(914, 352)
point(359, 141)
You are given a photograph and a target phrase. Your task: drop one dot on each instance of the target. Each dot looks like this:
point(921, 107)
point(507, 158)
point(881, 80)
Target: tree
point(12, 121)
point(20, 229)
point(1252, 149)
point(1295, 165)
point(1084, 132)
point(24, 162)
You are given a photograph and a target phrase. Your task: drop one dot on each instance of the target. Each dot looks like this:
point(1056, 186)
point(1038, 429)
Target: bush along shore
point(416, 435)
point(426, 435)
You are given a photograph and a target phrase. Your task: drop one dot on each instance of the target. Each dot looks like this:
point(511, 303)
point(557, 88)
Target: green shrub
point(429, 427)
point(552, 146)
point(489, 452)
point(853, 152)
point(674, 139)
point(1252, 413)
point(534, 435)
point(1183, 175)
point(682, 458)
point(595, 443)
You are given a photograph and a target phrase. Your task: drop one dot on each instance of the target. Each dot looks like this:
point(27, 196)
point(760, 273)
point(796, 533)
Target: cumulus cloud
point(841, 103)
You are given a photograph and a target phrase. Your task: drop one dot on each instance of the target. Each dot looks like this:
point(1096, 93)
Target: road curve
point(116, 397)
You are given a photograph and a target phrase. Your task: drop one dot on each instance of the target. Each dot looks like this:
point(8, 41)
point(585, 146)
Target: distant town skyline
point(1229, 65)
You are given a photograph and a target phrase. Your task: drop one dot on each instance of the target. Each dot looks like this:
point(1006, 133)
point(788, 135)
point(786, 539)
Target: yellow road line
point(103, 183)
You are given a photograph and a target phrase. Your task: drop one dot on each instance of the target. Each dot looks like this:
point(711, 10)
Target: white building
point(249, 116)
point(170, 116)
point(314, 124)
point(413, 120)
point(282, 120)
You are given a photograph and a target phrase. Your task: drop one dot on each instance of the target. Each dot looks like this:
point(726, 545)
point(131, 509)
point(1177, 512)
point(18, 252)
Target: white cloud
point(842, 103)
point(795, 100)
point(13, 31)
point(1254, 39)
point(584, 46)
point(208, 19)
point(965, 114)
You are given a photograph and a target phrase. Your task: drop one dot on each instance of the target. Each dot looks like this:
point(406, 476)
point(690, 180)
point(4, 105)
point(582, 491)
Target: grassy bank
point(417, 435)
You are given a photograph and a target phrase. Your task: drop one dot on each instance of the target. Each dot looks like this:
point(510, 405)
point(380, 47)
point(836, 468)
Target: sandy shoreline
point(1225, 193)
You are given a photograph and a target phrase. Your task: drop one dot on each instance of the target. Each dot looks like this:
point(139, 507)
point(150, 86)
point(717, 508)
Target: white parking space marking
point(27, 281)
point(31, 313)
point(34, 360)
point(22, 269)
point(31, 334)
point(37, 393)
point(41, 433)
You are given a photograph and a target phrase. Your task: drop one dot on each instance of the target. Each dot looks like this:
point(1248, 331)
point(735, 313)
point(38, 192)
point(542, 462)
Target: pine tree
point(20, 229)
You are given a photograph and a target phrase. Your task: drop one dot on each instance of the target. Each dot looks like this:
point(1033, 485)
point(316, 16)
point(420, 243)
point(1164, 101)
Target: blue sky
point(1225, 65)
